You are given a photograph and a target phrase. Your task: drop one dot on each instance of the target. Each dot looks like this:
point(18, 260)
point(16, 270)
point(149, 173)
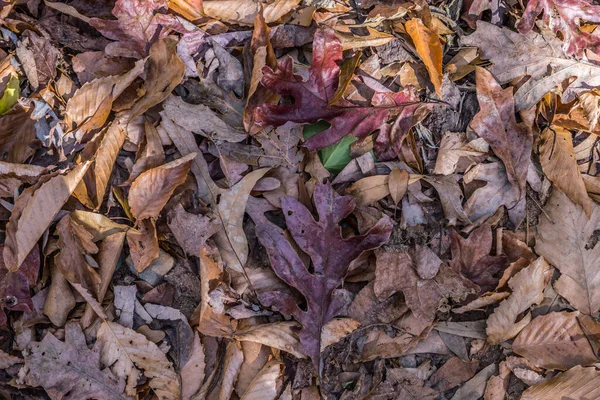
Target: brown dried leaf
point(90, 106)
point(153, 188)
point(577, 258)
point(34, 211)
point(560, 166)
point(576, 383)
point(234, 357)
point(265, 384)
point(370, 189)
point(192, 373)
point(398, 184)
point(454, 372)
point(16, 133)
point(243, 12)
point(69, 369)
point(231, 240)
point(143, 244)
point(124, 350)
point(527, 289)
point(191, 230)
point(497, 386)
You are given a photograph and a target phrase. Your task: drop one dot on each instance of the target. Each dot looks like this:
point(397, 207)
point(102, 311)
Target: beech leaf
point(152, 189)
point(576, 383)
point(429, 49)
point(34, 211)
point(330, 254)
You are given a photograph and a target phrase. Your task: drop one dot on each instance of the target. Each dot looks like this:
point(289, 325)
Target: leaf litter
point(292, 199)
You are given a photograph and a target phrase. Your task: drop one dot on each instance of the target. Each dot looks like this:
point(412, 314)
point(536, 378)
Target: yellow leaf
point(429, 49)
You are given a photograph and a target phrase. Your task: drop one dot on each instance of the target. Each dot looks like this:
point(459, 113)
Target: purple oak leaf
point(331, 256)
point(312, 97)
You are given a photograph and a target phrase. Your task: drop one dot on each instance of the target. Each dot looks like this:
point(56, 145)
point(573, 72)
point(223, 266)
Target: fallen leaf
point(576, 383)
point(312, 97)
point(398, 184)
point(474, 388)
point(60, 300)
point(336, 329)
point(370, 189)
point(454, 372)
point(69, 369)
point(152, 189)
point(192, 373)
point(34, 211)
point(317, 239)
point(41, 67)
point(496, 123)
point(15, 286)
point(576, 258)
point(16, 134)
point(515, 55)
point(143, 244)
point(243, 12)
point(452, 148)
point(191, 230)
point(558, 162)
point(372, 38)
point(429, 49)
point(11, 94)
point(450, 196)
point(124, 351)
point(264, 386)
point(527, 289)
point(90, 106)
point(555, 341)
point(234, 357)
point(471, 257)
point(150, 153)
point(279, 335)
point(564, 19)
point(497, 386)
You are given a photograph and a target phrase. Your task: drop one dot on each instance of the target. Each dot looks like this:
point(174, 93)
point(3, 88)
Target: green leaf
point(336, 156)
point(11, 94)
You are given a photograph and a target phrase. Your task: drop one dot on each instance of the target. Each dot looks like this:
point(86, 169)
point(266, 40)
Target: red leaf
point(313, 95)
point(564, 16)
point(331, 256)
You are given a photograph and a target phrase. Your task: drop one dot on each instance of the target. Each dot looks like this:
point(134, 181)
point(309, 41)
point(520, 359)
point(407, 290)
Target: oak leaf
point(313, 95)
point(565, 17)
point(515, 55)
point(577, 258)
point(496, 123)
point(124, 351)
point(69, 370)
point(330, 254)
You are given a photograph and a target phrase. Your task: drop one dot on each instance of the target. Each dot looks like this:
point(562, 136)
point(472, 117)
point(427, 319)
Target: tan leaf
point(109, 253)
point(192, 373)
point(98, 225)
point(398, 184)
point(264, 386)
point(7, 361)
point(234, 357)
point(373, 38)
point(475, 387)
point(576, 383)
point(590, 104)
point(576, 258)
point(279, 335)
point(452, 147)
point(336, 329)
point(12, 176)
point(211, 323)
point(255, 357)
point(527, 289)
point(497, 386)
point(90, 106)
point(150, 154)
point(153, 188)
point(165, 71)
point(186, 144)
point(454, 372)
point(555, 341)
point(34, 211)
point(558, 162)
point(191, 230)
point(143, 244)
point(450, 195)
point(429, 49)
point(123, 349)
point(243, 12)
point(370, 189)
point(76, 248)
point(232, 241)
point(60, 300)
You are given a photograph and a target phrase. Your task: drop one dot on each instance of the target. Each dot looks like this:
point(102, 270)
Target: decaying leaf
point(69, 369)
point(527, 289)
point(319, 240)
point(34, 211)
point(576, 258)
point(124, 351)
point(243, 12)
point(576, 383)
point(429, 49)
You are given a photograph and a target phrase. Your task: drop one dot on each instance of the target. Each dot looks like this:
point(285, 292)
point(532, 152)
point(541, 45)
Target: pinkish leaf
point(565, 16)
point(330, 254)
point(14, 286)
